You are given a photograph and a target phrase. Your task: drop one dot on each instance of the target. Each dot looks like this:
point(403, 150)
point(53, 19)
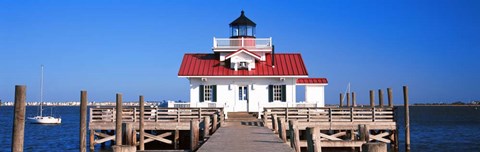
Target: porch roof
point(312, 81)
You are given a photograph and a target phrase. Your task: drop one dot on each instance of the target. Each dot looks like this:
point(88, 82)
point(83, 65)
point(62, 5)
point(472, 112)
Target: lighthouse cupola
point(243, 27)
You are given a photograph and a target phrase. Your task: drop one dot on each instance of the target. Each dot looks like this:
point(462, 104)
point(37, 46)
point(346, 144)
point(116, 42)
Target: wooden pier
point(244, 136)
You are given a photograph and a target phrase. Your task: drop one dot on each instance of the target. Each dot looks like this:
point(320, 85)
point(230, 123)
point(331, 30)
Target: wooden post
point(194, 134)
point(354, 100)
point(374, 147)
point(128, 132)
point(282, 130)
point(118, 126)
point(142, 123)
point(364, 132)
point(92, 140)
point(313, 140)
point(390, 98)
point(294, 135)
point(215, 123)
point(341, 100)
point(206, 126)
point(372, 100)
point(176, 138)
point(348, 99)
point(19, 119)
point(274, 123)
point(407, 119)
point(83, 121)
point(380, 98)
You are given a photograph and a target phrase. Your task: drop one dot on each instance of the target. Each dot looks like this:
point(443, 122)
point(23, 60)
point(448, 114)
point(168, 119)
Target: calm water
point(432, 129)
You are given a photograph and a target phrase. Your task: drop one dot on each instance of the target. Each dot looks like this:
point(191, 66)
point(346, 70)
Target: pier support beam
point(354, 100)
point(348, 99)
point(83, 121)
point(313, 140)
point(19, 119)
point(282, 130)
point(372, 98)
point(215, 122)
point(118, 126)
point(407, 119)
point(194, 134)
point(390, 97)
point(142, 123)
point(380, 98)
point(206, 126)
point(341, 100)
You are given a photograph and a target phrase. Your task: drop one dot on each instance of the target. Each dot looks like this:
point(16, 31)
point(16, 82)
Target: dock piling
point(348, 99)
point(19, 119)
point(142, 123)
point(83, 121)
point(390, 97)
point(194, 134)
point(407, 119)
point(372, 98)
point(341, 100)
point(282, 130)
point(380, 98)
point(354, 100)
point(206, 126)
point(118, 127)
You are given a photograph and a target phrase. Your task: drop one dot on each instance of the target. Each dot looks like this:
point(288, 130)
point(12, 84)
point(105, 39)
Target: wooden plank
point(160, 137)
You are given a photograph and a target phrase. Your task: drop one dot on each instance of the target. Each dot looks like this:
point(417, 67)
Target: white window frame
point(277, 92)
point(207, 92)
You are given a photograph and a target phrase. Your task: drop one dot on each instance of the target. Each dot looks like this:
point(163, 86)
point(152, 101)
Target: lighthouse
point(239, 74)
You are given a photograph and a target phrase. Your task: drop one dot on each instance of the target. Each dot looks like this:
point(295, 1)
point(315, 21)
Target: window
point(208, 93)
point(277, 93)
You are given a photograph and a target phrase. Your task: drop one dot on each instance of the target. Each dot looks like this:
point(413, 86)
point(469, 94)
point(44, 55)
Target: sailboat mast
point(41, 93)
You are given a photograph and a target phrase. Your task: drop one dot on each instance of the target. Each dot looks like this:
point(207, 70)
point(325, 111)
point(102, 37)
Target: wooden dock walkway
point(246, 137)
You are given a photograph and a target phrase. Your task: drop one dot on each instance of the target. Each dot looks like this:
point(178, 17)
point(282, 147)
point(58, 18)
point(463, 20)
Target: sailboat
point(40, 119)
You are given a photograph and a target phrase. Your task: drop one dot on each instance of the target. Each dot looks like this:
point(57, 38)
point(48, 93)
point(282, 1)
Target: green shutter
point(214, 93)
point(284, 93)
point(201, 93)
point(270, 93)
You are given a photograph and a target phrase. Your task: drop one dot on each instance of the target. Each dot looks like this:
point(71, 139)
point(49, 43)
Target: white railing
point(227, 43)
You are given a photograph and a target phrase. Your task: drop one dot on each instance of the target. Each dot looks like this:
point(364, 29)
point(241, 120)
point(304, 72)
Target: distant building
point(244, 74)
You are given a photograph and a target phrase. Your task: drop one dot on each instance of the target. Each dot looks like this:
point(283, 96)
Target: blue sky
point(135, 47)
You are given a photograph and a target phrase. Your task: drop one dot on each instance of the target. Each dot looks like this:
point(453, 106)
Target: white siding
point(315, 94)
point(227, 92)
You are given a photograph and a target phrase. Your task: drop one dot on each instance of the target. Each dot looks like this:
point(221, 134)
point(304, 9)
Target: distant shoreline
point(467, 105)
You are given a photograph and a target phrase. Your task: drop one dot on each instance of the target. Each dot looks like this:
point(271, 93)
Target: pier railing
point(333, 126)
point(152, 114)
point(330, 114)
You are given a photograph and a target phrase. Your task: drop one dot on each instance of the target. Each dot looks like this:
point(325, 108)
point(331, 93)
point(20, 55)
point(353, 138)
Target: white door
point(242, 99)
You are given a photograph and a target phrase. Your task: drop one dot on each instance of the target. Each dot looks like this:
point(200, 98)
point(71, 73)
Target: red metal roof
point(209, 65)
point(243, 50)
point(312, 80)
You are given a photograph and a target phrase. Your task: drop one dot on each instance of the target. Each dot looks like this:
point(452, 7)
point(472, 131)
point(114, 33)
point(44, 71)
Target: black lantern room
point(243, 27)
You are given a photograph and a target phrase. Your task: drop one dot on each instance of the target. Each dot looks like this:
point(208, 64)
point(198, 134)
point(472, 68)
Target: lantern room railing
point(237, 43)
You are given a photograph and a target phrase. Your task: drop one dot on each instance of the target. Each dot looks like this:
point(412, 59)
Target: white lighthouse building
point(245, 74)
